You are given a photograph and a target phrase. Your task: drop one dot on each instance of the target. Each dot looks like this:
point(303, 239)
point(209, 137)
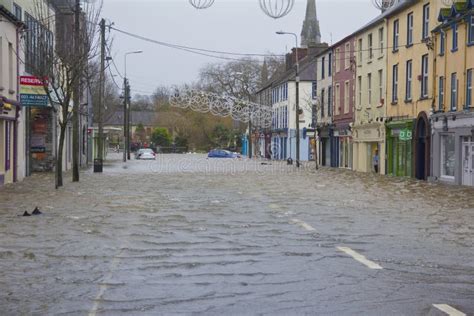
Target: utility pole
point(250, 133)
point(76, 92)
point(125, 121)
point(100, 143)
point(129, 116)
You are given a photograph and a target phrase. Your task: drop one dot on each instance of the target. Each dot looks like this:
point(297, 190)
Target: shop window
point(447, 156)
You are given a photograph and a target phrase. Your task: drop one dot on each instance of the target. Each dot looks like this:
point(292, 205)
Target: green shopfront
point(400, 148)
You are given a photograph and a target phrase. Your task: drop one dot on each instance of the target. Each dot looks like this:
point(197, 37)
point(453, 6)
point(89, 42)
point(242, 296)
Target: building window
point(381, 80)
point(329, 101)
point(314, 91)
point(426, 21)
point(338, 60)
point(424, 74)
point(469, 88)
point(442, 41)
point(447, 156)
point(455, 38)
point(381, 41)
point(330, 65)
point(346, 97)
point(38, 45)
point(471, 30)
point(454, 92)
point(347, 56)
point(323, 65)
point(359, 88)
point(396, 33)
point(361, 51)
point(410, 29)
point(409, 79)
point(371, 51)
point(369, 88)
point(323, 94)
point(17, 12)
point(11, 66)
point(441, 93)
point(337, 99)
point(395, 84)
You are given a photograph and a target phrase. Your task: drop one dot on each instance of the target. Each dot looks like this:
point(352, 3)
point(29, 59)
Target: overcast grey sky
point(229, 25)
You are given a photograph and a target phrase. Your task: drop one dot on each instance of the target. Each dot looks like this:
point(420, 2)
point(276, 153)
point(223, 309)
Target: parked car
point(145, 154)
point(221, 153)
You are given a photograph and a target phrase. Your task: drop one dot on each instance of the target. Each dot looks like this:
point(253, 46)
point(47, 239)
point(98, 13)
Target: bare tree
point(240, 79)
point(64, 67)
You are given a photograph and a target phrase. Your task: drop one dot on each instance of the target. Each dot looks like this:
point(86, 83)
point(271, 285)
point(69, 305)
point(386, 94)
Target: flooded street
point(188, 235)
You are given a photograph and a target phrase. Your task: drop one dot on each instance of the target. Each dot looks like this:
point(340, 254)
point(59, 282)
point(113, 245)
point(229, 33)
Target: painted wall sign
point(32, 92)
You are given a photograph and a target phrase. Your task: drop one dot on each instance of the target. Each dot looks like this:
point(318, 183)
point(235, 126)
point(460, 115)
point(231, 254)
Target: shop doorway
point(422, 147)
point(468, 161)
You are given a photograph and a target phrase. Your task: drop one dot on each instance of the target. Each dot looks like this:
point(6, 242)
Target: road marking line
point(303, 224)
point(451, 311)
point(104, 285)
point(358, 257)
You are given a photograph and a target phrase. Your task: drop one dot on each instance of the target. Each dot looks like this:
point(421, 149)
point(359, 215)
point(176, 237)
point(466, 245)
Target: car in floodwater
point(222, 153)
point(145, 154)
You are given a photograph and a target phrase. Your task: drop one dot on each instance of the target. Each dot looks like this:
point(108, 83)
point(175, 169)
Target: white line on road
point(104, 285)
point(451, 311)
point(362, 259)
point(303, 224)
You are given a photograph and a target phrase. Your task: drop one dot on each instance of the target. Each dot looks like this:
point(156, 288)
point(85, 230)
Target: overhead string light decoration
point(201, 4)
point(384, 4)
point(276, 8)
point(222, 106)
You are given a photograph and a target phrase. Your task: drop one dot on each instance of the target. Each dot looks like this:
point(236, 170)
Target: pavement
point(189, 235)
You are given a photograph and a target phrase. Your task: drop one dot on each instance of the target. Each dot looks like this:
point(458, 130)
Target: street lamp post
point(126, 109)
point(297, 82)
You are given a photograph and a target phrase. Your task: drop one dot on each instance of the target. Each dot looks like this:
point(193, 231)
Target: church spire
point(311, 33)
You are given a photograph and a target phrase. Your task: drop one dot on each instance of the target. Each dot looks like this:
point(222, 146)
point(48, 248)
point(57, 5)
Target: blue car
point(221, 153)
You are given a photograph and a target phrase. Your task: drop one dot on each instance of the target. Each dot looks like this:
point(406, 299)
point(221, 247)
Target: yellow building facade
point(369, 129)
point(410, 91)
point(453, 120)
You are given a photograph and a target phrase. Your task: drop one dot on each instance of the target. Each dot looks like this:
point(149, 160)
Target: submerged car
point(145, 154)
point(221, 153)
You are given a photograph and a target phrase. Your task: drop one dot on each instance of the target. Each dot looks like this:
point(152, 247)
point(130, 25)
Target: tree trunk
point(75, 139)
point(59, 162)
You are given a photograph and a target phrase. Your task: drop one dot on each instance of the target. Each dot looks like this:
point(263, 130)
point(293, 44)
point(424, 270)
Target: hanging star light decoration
point(276, 8)
point(201, 4)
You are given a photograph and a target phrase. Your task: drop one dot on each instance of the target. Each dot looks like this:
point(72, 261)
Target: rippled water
point(186, 235)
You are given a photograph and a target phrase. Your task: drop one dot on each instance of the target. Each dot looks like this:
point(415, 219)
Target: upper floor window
point(322, 102)
point(426, 21)
point(455, 38)
point(424, 76)
point(371, 52)
point(469, 88)
point(17, 12)
point(442, 43)
point(396, 34)
point(330, 65)
point(359, 89)
point(347, 62)
point(346, 97)
point(381, 81)
point(314, 92)
point(381, 41)
point(471, 30)
point(329, 100)
point(369, 88)
point(408, 80)
point(338, 60)
point(395, 84)
point(323, 65)
point(410, 29)
point(454, 92)
point(441, 93)
point(361, 50)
